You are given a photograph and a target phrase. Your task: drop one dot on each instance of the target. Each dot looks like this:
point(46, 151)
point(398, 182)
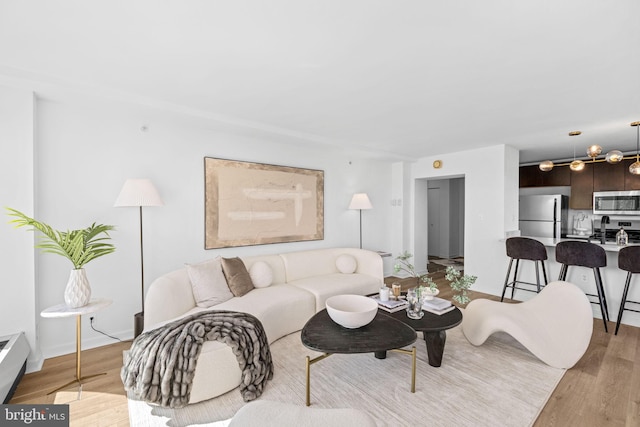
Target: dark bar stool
point(585, 254)
point(528, 249)
point(629, 261)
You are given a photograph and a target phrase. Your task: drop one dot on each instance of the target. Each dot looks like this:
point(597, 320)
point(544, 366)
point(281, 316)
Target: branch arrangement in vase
point(459, 283)
point(404, 265)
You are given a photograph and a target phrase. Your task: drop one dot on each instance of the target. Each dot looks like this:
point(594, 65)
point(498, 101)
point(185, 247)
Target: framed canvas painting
point(254, 203)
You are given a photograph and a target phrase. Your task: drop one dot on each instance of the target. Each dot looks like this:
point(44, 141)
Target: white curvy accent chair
point(555, 325)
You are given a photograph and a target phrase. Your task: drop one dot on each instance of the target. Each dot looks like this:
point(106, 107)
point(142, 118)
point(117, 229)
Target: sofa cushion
point(282, 309)
point(261, 274)
point(208, 283)
point(328, 285)
point(238, 277)
point(346, 264)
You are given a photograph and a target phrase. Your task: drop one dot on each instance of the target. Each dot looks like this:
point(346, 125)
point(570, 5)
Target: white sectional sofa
point(300, 284)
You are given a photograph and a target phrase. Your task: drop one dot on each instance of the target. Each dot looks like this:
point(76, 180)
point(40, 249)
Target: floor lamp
point(360, 201)
point(139, 193)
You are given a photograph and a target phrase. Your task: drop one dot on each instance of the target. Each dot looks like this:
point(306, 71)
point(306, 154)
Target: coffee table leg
point(310, 362)
point(380, 354)
point(435, 346)
point(413, 354)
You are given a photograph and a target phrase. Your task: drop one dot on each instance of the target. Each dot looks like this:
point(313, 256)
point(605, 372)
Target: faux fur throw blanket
point(159, 367)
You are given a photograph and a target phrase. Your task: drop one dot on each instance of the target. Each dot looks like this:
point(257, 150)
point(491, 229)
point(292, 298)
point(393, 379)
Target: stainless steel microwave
point(616, 202)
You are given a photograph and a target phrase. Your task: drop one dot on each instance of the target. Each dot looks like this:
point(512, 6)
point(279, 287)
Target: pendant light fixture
point(576, 165)
point(614, 156)
point(635, 166)
point(546, 166)
point(593, 151)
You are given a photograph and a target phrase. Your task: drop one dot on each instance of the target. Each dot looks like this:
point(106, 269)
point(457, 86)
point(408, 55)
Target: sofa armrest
point(369, 262)
point(168, 297)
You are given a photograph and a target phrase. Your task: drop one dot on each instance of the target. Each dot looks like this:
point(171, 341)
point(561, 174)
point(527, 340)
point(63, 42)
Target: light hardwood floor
point(603, 389)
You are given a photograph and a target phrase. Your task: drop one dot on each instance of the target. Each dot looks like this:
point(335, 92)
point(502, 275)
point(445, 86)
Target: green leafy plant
point(403, 264)
point(460, 284)
point(78, 246)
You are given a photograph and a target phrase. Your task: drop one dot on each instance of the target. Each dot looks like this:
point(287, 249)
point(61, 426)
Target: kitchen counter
point(613, 279)
point(551, 242)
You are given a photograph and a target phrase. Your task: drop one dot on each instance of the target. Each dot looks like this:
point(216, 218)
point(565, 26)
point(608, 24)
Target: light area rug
point(498, 383)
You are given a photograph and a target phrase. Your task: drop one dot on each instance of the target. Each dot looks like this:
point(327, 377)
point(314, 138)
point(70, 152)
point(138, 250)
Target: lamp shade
point(360, 201)
point(138, 192)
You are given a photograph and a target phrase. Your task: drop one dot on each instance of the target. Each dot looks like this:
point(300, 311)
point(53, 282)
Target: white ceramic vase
point(78, 292)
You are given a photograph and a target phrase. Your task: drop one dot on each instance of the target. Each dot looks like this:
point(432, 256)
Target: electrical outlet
point(584, 277)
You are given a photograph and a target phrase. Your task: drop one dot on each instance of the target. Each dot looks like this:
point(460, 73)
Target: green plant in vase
point(460, 284)
point(78, 246)
point(404, 265)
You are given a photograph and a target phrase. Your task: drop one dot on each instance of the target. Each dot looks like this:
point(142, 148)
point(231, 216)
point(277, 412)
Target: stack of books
point(438, 306)
point(392, 305)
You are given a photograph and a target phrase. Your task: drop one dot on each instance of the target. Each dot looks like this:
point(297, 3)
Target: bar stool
point(629, 261)
point(528, 249)
point(585, 254)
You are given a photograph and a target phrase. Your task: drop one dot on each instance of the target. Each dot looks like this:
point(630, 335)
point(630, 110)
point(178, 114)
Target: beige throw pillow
point(261, 274)
point(346, 264)
point(208, 283)
point(238, 277)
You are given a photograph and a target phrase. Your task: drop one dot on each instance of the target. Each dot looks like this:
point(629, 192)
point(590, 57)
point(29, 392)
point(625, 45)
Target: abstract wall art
point(254, 203)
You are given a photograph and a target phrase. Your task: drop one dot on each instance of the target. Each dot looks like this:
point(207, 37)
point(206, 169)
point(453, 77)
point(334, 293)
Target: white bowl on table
point(351, 311)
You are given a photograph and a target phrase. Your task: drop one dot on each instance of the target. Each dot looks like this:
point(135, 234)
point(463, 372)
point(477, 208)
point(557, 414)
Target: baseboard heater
point(14, 350)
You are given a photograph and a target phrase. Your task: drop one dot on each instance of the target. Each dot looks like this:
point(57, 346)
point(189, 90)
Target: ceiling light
point(546, 166)
point(576, 165)
point(635, 167)
point(593, 151)
point(614, 156)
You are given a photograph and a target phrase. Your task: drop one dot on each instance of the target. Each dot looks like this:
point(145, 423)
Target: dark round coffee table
point(384, 333)
point(433, 328)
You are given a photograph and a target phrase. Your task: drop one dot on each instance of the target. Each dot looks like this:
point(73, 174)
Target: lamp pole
point(139, 193)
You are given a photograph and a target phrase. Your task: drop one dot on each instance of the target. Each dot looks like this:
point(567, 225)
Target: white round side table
point(62, 310)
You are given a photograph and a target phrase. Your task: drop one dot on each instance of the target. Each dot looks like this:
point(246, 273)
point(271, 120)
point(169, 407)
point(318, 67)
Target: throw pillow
point(208, 283)
point(261, 274)
point(238, 277)
point(346, 264)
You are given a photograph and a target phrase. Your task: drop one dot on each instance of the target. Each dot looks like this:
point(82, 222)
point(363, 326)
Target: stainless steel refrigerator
point(544, 215)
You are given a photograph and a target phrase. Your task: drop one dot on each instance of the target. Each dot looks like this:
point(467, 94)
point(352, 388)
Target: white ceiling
point(402, 78)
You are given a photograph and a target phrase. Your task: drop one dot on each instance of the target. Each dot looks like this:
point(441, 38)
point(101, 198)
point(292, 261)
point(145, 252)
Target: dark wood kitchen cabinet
point(582, 188)
point(608, 177)
point(600, 176)
point(532, 176)
point(631, 182)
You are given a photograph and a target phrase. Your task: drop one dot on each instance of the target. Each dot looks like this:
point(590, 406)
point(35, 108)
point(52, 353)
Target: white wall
point(18, 311)
point(490, 208)
point(87, 148)
point(458, 212)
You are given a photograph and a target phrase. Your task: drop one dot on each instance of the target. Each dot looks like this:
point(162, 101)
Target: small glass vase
point(414, 310)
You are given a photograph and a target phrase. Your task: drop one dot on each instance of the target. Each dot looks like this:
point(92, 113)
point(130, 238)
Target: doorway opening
point(440, 234)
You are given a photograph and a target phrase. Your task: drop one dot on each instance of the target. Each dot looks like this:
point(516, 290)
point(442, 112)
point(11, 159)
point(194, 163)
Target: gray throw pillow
point(208, 283)
point(238, 277)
